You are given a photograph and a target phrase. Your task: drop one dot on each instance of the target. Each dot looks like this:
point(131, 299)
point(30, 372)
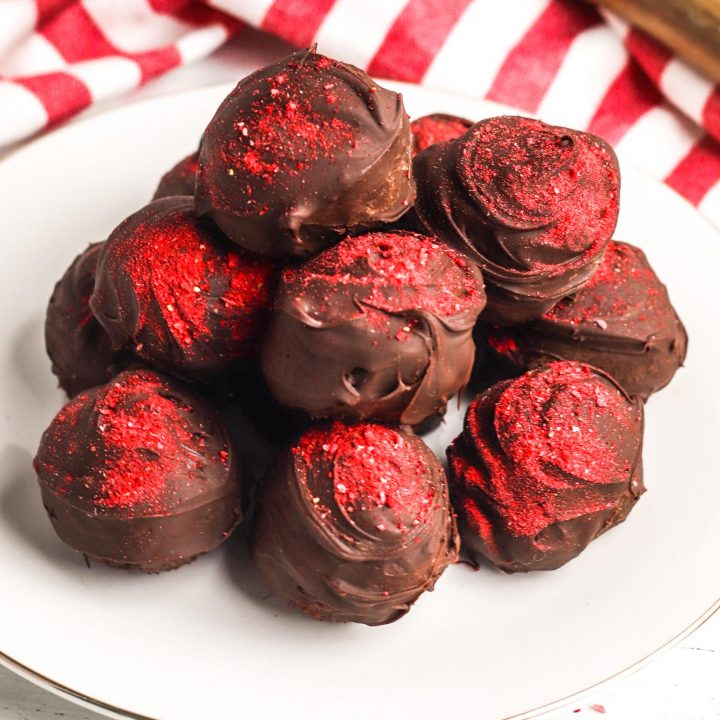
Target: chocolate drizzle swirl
point(380, 327)
point(302, 151)
point(353, 524)
point(622, 321)
point(170, 288)
point(80, 350)
point(535, 205)
point(544, 465)
point(140, 474)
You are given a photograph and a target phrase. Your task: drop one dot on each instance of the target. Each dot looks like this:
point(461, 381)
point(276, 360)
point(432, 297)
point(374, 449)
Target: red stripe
point(711, 113)
point(652, 56)
point(629, 97)
point(76, 36)
point(202, 15)
point(415, 38)
point(168, 7)
point(698, 171)
point(62, 95)
point(533, 63)
point(196, 13)
point(296, 21)
point(47, 8)
point(156, 62)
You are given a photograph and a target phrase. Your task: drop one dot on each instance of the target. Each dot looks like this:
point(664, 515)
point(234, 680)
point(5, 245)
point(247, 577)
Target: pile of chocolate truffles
point(340, 274)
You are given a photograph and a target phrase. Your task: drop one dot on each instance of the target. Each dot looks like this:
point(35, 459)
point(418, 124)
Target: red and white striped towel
point(560, 59)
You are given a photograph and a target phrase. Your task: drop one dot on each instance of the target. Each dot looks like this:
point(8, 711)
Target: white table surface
point(682, 684)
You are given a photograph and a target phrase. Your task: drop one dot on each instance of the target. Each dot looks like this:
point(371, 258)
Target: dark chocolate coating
point(170, 491)
point(578, 471)
point(80, 350)
point(491, 365)
point(535, 205)
point(278, 424)
point(363, 562)
point(438, 127)
point(302, 151)
point(622, 321)
point(356, 334)
point(180, 179)
point(170, 288)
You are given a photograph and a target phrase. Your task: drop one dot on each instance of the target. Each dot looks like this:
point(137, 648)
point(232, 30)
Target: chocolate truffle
point(379, 326)
point(534, 205)
point(180, 179)
point(277, 424)
point(140, 474)
point(302, 151)
point(491, 363)
point(544, 465)
point(621, 321)
point(438, 127)
point(172, 289)
point(353, 523)
point(79, 348)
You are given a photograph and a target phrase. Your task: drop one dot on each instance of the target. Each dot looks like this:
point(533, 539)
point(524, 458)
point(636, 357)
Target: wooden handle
point(689, 27)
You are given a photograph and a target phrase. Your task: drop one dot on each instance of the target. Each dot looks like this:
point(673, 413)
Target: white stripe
point(27, 116)
point(17, 19)
point(686, 88)
point(251, 11)
point(133, 26)
point(354, 31)
point(710, 204)
point(36, 55)
point(658, 141)
point(591, 64)
point(201, 42)
point(477, 46)
point(107, 77)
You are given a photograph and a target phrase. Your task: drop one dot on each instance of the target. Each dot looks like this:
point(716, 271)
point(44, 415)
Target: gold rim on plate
point(109, 710)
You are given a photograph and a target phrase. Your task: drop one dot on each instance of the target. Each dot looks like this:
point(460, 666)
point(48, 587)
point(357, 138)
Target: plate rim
point(113, 711)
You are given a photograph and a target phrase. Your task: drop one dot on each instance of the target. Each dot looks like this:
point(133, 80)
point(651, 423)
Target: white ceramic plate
point(205, 642)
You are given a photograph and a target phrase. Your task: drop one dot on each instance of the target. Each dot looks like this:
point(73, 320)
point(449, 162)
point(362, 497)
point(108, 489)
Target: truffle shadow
point(22, 511)
point(245, 577)
point(29, 360)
